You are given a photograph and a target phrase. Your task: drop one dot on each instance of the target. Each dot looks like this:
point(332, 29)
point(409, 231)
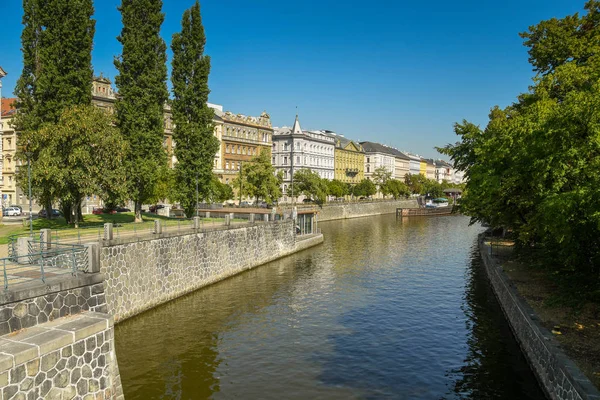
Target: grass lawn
point(124, 220)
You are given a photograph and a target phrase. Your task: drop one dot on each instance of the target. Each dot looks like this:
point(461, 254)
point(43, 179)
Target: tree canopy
point(310, 184)
point(258, 179)
point(142, 96)
point(533, 168)
point(193, 132)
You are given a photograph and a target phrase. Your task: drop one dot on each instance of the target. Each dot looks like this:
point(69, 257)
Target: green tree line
point(76, 150)
point(533, 170)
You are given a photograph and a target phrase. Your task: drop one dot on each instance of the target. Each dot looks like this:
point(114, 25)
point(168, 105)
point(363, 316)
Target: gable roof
point(296, 128)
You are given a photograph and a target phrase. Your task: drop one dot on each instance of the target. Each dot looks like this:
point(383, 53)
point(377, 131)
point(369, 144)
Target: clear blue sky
point(392, 71)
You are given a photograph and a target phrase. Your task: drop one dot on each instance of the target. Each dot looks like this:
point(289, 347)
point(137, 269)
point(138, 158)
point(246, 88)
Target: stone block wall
point(141, 275)
point(38, 303)
point(558, 375)
point(330, 212)
point(72, 357)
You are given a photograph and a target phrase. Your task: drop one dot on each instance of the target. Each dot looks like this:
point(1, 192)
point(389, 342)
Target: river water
point(384, 309)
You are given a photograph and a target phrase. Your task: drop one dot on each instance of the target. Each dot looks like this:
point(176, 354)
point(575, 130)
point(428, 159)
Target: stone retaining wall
point(141, 275)
point(558, 375)
point(37, 302)
point(72, 357)
point(330, 212)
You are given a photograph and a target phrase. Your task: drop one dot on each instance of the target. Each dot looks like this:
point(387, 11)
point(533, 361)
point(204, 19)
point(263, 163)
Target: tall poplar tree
point(193, 133)
point(142, 95)
point(57, 42)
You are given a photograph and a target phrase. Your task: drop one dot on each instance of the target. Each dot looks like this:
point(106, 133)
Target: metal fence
point(42, 262)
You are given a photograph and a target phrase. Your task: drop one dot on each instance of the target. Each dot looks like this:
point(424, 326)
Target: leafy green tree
point(310, 184)
point(142, 96)
point(337, 188)
point(365, 188)
point(82, 155)
point(416, 183)
point(219, 192)
point(259, 179)
point(193, 133)
point(380, 176)
point(397, 189)
point(57, 73)
point(533, 169)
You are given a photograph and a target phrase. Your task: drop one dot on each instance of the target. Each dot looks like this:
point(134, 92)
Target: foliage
point(365, 188)
point(218, 191)
point(57, 73)
point(258, 179)
point(82, 155)
point(533, 169)
point(337, 188)
point(142, 96)
point(396, 188)
point(193, 132)
point(380, 176)
point(310, 184)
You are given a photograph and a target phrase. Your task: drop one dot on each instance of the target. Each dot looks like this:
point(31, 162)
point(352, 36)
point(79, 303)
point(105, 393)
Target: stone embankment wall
point(329, 212)
point(71, 357)
point(141, 275)
point(36, 303)
point(558, 375)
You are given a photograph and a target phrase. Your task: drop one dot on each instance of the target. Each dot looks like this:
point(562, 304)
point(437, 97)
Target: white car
point(12, 211)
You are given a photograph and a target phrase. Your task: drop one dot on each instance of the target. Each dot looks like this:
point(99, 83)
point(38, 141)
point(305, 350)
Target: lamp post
point(2, 75)
point(28, 154)
point(196, 194)
point(241, 182)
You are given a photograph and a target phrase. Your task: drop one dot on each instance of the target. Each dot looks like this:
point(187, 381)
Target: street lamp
point(28, 154)
point(196, 194)
point(241, 182)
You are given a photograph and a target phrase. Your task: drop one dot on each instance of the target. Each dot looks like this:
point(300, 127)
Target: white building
point(414, 164)
point(295, 149)
point(377, 156)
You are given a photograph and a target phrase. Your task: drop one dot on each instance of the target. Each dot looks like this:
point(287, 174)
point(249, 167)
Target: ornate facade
point(242, 137)
point(295, 149)
point(349, 160)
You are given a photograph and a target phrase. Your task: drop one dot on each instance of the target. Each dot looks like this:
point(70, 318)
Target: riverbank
point(337, 211)
point(557, 373)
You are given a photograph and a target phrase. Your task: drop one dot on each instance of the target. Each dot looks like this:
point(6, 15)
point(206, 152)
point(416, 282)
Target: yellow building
point(423, 170)
point(349, 161)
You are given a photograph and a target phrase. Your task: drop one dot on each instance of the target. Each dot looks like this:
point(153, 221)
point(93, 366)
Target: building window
point(228, 149)
point(284, 160)
point(298, 160)
point(368, 160)
point(239, 149)
point(227, 181)
point(227, 165)
point(244, 150)
point(238, 166)
point(273, 159)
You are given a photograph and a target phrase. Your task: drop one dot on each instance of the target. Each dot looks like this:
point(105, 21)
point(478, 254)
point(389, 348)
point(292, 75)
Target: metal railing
point(40, 263)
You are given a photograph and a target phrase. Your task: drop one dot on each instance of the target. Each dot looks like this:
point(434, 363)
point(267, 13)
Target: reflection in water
point(383, 309)
point(494, 366)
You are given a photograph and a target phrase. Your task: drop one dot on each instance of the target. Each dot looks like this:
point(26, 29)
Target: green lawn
point(124, 221)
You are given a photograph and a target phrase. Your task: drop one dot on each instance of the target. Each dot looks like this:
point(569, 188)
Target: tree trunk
point(138, 211)
point(75, 213)
point(48, 209)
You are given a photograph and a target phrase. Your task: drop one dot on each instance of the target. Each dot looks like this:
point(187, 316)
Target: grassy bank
point(124, 220)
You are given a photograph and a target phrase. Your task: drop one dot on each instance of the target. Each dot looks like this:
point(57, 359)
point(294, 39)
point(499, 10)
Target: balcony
point(352, 172)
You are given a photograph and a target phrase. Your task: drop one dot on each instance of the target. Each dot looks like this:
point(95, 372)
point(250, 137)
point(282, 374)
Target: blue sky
point(392, 71)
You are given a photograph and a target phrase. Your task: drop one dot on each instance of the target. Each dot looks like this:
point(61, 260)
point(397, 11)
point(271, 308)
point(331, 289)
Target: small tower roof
point(296, 128)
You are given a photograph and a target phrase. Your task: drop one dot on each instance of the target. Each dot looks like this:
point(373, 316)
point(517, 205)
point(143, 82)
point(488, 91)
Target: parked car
point(44, 214)
point(123, 209)
point(156, 207)
point(11, 212)
point(19, 207)
point(246, 204)
point(307, 201)
point(97, 211)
